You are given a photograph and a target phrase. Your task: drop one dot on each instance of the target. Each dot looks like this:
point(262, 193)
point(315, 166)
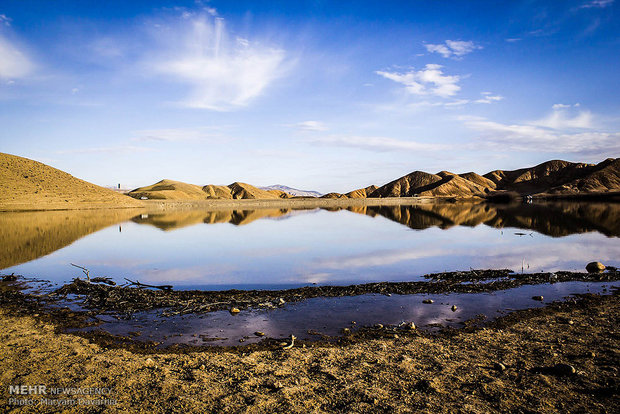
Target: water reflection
point(280, 248)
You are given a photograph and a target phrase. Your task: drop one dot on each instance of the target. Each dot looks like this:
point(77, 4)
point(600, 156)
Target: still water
point(281, 248)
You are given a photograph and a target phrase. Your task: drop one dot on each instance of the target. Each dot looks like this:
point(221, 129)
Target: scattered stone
point(281, 301)
point(595, 267)
point(564, 369)
point(202, 367)
point(498, 366)
point(9, 278)
point(259, 333)
point(538, 298)
point(234, 310)
point(591, 354)
point(346, 331)
point(411, 326)
point(453, 308)
point(395, 336)
point(379, 326)
point(149, 362)
point(428, 301)
point(241, 340)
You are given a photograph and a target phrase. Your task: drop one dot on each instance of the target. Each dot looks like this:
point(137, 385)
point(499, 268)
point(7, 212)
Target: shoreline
point(562, 357)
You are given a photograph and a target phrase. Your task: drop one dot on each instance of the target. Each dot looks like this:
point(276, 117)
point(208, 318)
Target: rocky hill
point(176, 190)
point(554, 177)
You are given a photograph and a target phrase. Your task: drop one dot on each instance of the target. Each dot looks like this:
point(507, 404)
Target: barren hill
point(30, 185)
point(176, 190)
point(362, 192)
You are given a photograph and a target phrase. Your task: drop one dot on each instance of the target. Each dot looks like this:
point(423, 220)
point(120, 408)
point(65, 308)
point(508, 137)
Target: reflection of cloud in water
point(278, 251)
point(216, 274)
point(379, 258)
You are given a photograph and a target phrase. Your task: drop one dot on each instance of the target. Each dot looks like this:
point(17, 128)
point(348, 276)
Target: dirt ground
point(451, 372)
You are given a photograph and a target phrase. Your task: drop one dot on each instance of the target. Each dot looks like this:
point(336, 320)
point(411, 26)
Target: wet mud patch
point(147, 320)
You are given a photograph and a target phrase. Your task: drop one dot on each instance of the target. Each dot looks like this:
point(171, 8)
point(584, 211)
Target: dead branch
point(141, 285)
point(84, 270)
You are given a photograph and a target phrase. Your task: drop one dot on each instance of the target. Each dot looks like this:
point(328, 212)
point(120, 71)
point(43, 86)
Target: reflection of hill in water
point(552, 219)
point(25, 236)
point(178, 219)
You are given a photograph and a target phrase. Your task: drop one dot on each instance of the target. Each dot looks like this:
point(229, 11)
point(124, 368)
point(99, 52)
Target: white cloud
point(13, 62)
point(531, 137)
point(4, 19)
point(310, 126)
point(222, 74)
point(175, 134)
point(453, 48)
point(488, 98)
point(380, 144)
point(599, 4)
point(428, 81)
point(121, 149)
point(560, 119)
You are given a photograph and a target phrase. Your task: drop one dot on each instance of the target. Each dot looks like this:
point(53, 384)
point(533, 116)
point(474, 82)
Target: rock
point(595, 267)
point(346, 331)
point(498, 366)
point(539, 298)
point(202, 367)
point(9, 278)
point(259, 333)
point(428, 301)
point(564, 369)
point(234, 310)
point(241, 340)
point(149, 362)
point(453, 308)
point(591, 354)
point(379, 326)
point(281, 301)
point(411, 326)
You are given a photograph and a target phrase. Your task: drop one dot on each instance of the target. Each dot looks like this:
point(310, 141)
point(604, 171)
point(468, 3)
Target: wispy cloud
point(176, 134)
point(121, 149)
point(14, 63)
point(560, 118)
point(598, 4)
point(310, 126)
point(453, 48)
point(554, 133)
point(488, 98)
point(222, 73)
point(5, 20)
point(428, 81)
point(380, 144)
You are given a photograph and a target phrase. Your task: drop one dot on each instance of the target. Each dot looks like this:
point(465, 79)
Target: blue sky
point(323, 95)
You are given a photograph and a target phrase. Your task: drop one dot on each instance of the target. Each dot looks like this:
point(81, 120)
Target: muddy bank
point(561, 358)
point(127, 299)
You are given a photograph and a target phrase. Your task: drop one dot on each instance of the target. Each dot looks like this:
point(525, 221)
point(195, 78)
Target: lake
point(284, 248)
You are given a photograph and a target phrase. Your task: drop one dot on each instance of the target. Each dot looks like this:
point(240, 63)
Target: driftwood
point(84, 270)
point(142, 285)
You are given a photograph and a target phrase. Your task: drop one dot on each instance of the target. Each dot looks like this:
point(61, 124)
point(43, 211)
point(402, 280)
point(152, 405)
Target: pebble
point(202, 367)
point(564, 369)
point(539, 298)
point(259, 333)
point(453, 308)
point(281, 301)
point(346, 331)
point(428, 301)
point(591, 355)
point(379, 326)
point(234, 310)
point(498, 366)
point(149, 362)
point(595, 267)
point(411, 326)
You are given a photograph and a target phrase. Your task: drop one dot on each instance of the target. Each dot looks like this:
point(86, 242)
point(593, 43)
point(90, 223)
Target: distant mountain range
point(26, 184)
point(293, 191)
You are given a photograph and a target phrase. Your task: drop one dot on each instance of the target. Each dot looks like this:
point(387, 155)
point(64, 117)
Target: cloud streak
point(428, 81)
point(453, 48)
point(378, 144)
point(222, 73)
point(14, 64)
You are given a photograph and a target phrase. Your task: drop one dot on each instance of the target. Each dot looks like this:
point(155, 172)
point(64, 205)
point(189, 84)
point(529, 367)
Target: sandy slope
point(30, 185)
